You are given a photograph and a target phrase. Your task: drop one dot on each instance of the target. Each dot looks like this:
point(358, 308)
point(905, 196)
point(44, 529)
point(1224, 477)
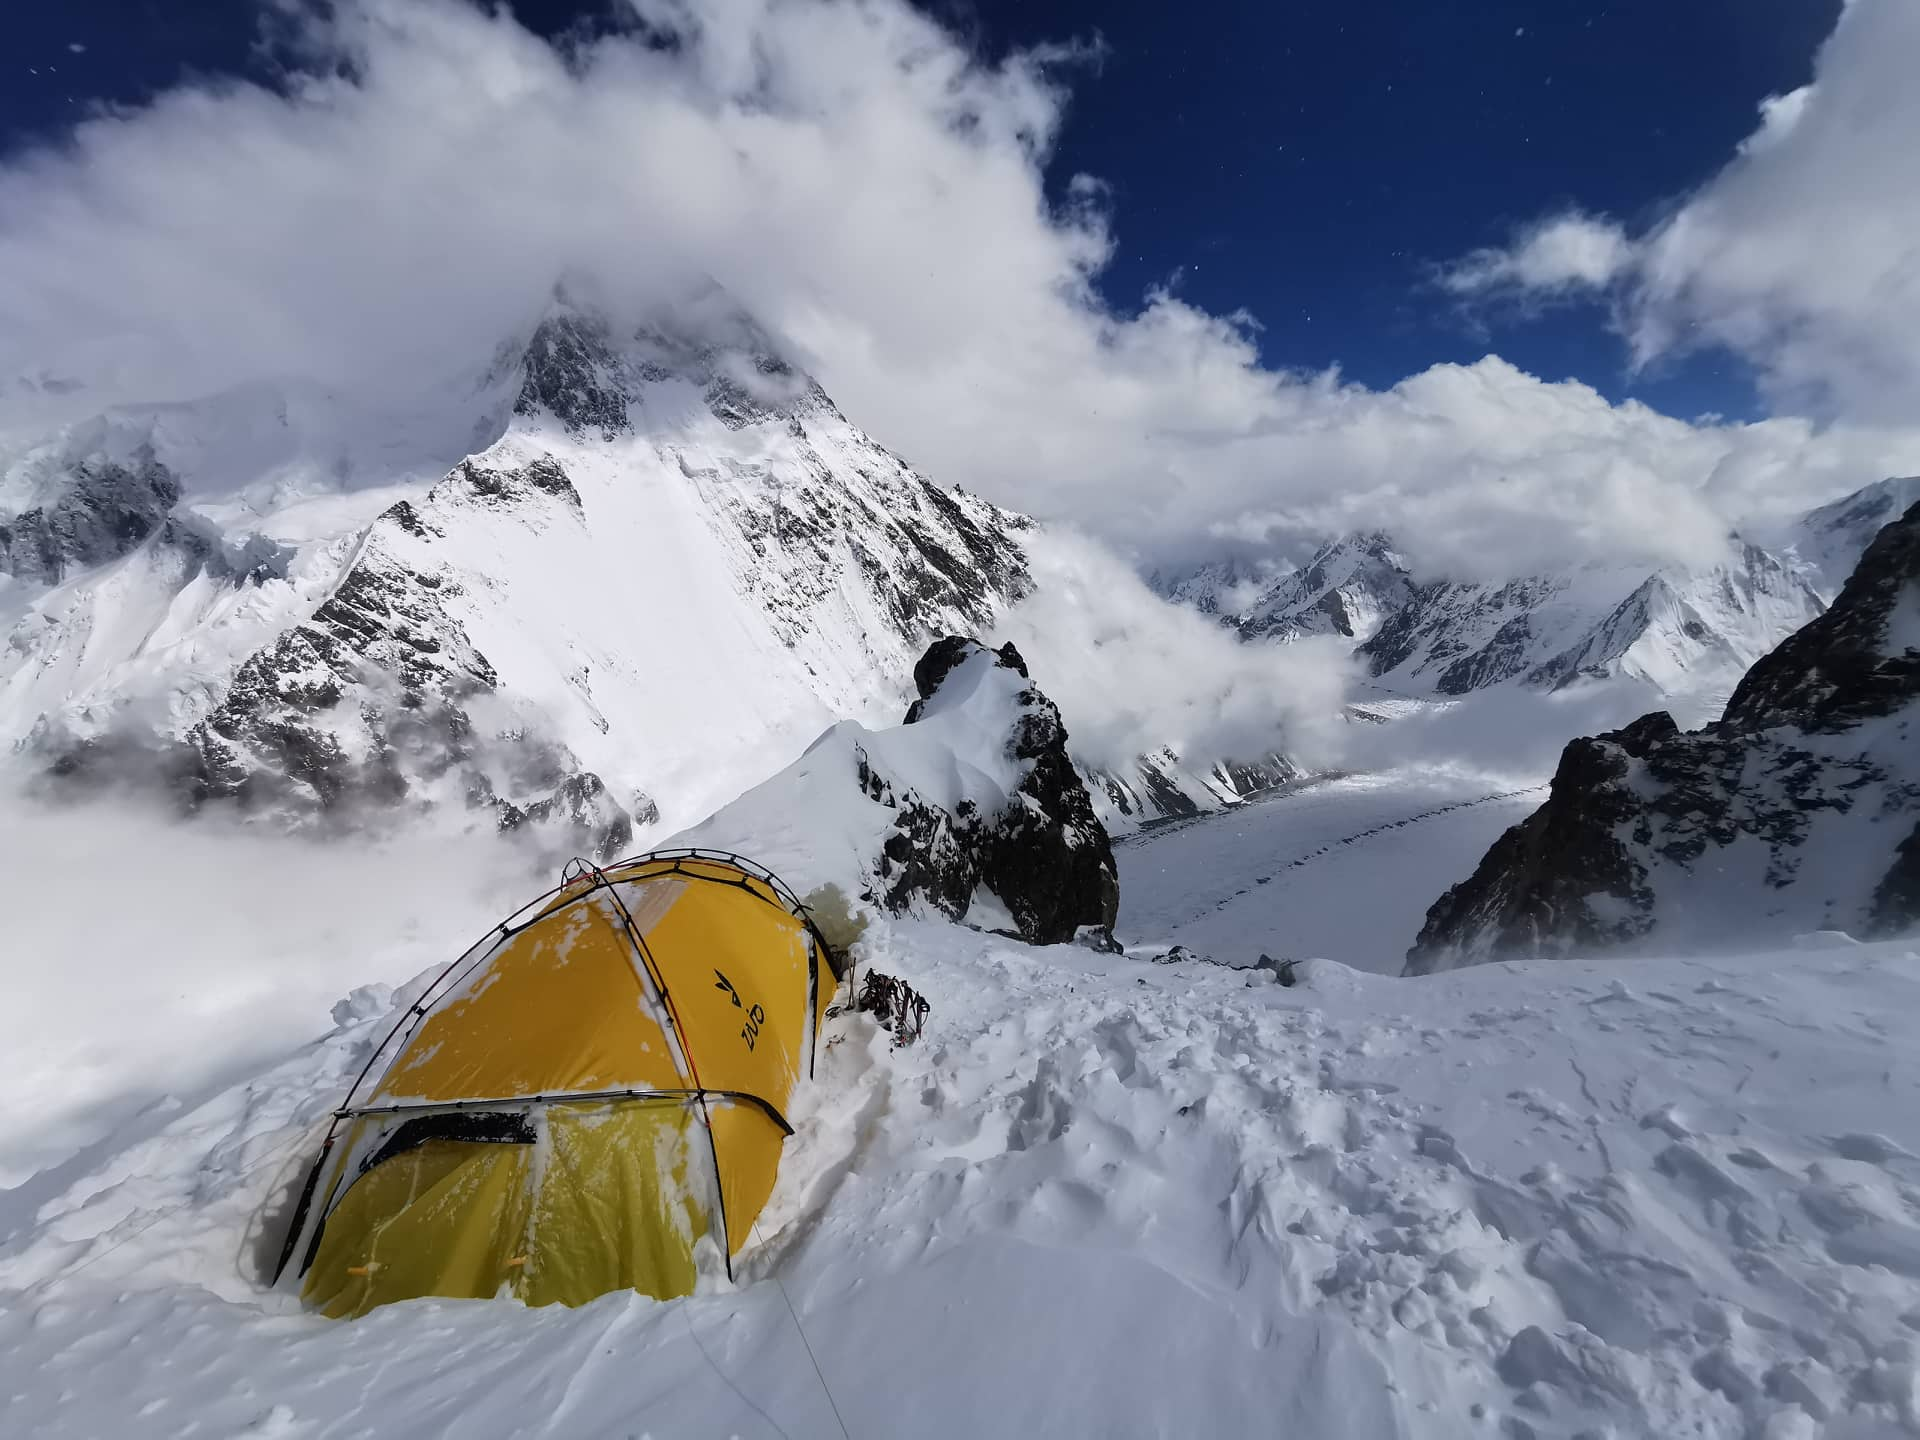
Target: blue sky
point(1309, 163)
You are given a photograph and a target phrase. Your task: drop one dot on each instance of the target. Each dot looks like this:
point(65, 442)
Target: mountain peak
point(1831, 537)
point(1859, 659)
point(587, 369)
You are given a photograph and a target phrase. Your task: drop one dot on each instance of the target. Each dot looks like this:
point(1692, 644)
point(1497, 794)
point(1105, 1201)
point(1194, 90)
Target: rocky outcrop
point(969, 809)
point(103, 511)
point(1795, 811)
point(1042, 853)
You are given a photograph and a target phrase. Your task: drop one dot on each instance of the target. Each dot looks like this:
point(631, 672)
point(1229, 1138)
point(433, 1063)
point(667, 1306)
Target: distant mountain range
point(1683, 631)
point(1796, 811)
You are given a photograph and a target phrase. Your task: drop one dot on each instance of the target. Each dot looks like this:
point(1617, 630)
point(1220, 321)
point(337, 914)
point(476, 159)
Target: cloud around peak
point(871, 189)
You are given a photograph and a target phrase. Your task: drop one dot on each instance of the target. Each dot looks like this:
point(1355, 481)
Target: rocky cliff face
point(1798, 810)
point(971, 808)
point(105, 510)
point(1044, 854)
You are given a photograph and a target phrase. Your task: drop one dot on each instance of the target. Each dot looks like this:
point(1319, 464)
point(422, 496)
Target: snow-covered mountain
point(1224, 587)
point(1830, 540)
point(1162, 786)
point(1349, 586)
point(618, 577)
point(1677, 629)
point(671, 563)
point(1796, 811)
point(1685, 631)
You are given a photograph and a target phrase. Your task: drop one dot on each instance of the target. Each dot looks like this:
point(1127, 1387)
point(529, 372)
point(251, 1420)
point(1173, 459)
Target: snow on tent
point(595, 1086)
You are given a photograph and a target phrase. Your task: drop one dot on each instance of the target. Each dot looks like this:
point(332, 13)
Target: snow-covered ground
point(1101, 1196)
point(1104, 1196)
point(1343, 868)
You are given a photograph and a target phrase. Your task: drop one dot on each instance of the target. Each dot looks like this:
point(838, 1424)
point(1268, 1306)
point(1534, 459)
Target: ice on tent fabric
point(582, 1105)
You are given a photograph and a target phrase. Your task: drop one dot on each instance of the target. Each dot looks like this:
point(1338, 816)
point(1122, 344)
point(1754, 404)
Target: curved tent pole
point(506, 929)
point(686, 1051)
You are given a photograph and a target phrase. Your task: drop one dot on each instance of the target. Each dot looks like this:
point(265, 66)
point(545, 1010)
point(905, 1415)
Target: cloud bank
point(1802, 254)
point(1132, 673)
point(874, 191)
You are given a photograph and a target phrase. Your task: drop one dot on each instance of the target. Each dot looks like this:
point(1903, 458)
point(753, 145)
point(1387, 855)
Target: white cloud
point(1132, 673)
point(1566, 252)
point(868, 188)
point(1802, 254)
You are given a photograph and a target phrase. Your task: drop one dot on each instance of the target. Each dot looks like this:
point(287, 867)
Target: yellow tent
point(596, 1085)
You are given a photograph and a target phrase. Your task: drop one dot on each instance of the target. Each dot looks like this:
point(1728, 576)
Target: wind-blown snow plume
point(147, 959)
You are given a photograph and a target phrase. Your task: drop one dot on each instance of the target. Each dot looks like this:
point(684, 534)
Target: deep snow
point(1105, 1196)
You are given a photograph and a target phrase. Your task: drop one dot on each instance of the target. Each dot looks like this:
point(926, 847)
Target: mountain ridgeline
point(1798, 810)
point(1682, 630)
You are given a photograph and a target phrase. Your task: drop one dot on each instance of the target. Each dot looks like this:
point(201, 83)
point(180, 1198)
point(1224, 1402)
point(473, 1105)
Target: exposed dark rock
point(1044, 854)
point(1817, 750)
point(1896, 903)
point(1844, 667)
point(574, 373)
point(504, 487)
point(581, 810)
point(102, 513)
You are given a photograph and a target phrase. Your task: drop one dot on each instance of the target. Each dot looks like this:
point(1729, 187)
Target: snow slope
point(1831, 539)
point(1343, 867)
point(1104, 1196)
